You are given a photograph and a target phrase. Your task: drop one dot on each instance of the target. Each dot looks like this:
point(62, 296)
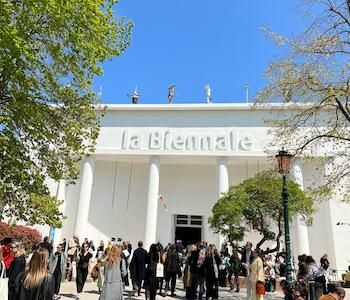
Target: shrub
point(27, 235)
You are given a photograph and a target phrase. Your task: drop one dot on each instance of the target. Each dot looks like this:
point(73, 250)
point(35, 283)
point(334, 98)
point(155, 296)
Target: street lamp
point(284, 160)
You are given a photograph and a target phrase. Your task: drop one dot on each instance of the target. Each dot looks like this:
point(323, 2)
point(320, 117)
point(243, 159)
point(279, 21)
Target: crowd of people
point(203, 268)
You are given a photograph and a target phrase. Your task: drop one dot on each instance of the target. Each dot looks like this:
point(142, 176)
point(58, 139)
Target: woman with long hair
point(114, 270)
point(211, 270)
point(187, 278)
point(36, 283)
point(83, 261)
point(316, 273)
point(163, 258)
point(17, 266)
point(256, 274)
point(151, 280)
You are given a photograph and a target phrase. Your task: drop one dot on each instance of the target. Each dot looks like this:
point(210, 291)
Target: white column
point(84, 197)
point(152, 202)
point(222, 183)
point(300, 227)
point(60, 195)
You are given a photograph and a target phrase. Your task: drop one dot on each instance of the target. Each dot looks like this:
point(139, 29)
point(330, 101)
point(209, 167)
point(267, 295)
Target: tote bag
point(160, 270)
point(3, 283)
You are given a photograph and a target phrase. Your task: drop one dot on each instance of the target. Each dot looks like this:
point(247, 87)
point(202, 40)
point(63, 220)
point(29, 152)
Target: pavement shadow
point(92, 292)
point(67, 295)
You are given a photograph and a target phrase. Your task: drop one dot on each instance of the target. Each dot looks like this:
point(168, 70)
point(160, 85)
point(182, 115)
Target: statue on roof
point(171, 93)
point(134, 96)
point(208, 90)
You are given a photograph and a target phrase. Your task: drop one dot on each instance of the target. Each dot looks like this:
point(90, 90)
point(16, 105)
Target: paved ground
point(68, 291)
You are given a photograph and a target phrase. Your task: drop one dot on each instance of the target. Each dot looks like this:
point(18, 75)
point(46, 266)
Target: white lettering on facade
point(155, 140)
point(221, 143)
point(125, 139)
point(178, 142)
point(169, 140)
point(192, 142)
point(246, 142)
point(135, 142)
point(207, 142)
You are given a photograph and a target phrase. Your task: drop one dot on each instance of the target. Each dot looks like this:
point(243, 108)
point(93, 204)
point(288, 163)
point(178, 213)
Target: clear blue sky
point(193, 42)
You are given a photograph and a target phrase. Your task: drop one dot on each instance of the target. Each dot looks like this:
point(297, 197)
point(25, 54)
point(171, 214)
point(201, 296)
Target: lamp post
point(284, 161)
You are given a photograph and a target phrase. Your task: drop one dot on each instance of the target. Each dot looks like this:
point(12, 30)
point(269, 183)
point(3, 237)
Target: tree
point(50, 52)
point(26, 235)
point(313, 81)
point(256, 204)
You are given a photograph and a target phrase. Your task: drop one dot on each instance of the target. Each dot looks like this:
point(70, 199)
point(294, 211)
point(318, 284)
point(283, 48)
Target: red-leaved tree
point(26, 235)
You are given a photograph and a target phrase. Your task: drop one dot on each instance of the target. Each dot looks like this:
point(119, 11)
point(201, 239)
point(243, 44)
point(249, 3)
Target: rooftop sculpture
point(208, 90)
point(134, 96)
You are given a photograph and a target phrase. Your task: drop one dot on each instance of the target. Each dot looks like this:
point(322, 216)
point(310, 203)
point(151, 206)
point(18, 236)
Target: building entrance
point(188, 229)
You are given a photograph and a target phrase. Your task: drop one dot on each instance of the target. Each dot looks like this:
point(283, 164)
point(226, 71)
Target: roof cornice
point(201, 107)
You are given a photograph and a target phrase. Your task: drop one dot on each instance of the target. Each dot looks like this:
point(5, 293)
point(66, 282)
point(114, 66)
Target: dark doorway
point(188, 235)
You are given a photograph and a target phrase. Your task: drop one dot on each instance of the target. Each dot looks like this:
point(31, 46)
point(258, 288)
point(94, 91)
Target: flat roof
point(200, 106)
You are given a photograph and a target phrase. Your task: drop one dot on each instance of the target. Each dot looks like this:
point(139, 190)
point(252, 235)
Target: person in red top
point(6, 253)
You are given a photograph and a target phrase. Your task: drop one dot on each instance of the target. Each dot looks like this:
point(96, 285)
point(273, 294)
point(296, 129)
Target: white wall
point(188, 190)
point(119, 192)
point(324, 235)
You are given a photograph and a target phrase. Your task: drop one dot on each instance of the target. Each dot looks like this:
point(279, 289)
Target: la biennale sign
point(172, 140)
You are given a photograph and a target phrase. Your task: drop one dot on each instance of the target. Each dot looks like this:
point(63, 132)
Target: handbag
point(187, 277)
point(260, 288)
point(3, 283)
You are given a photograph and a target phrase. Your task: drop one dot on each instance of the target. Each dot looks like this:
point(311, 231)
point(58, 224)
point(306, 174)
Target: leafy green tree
point(312, 80)
point(50, 52)
point(256, 204)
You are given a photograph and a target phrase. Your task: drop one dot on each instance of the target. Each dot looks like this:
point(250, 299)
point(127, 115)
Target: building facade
point(159, 169)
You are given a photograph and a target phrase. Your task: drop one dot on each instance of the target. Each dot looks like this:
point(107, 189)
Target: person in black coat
point(151, 280)
point(196, 263)
point(17, 266)
point(46, 244)
point(138, 267)
point(211, 270)
point(36, 283)
point(172, 267)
